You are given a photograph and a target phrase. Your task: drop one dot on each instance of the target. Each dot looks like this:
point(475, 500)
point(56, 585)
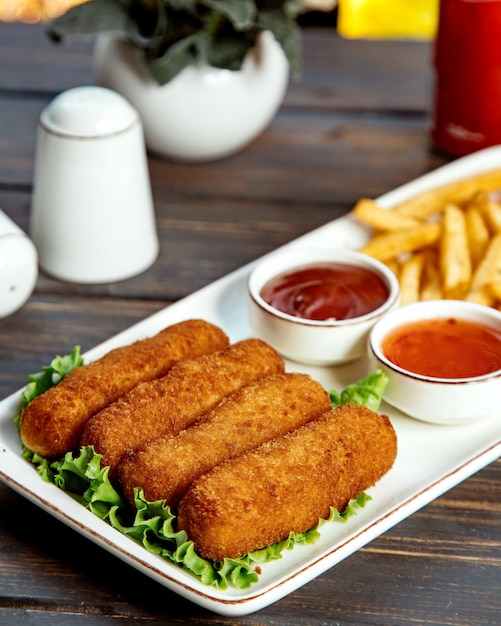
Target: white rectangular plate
point(431, 459)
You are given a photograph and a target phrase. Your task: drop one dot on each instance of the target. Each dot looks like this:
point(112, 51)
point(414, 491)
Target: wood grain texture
point(355, 124)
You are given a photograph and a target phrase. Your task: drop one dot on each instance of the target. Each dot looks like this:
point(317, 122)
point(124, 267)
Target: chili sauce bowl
point(442, 359)
point(312, 332)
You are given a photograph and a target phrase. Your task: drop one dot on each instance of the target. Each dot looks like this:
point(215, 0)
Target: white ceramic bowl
point(309, 341)
point(205, 112)
point(437, 400)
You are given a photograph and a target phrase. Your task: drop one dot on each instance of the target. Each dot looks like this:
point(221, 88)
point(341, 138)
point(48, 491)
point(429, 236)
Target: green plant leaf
point(287, 33)
point(182, 5)
point(294, 8)
point(142, 23)
point(232, 54)
point(241, 13)
point(91, 18)
point(174, 33)
point(180, 55)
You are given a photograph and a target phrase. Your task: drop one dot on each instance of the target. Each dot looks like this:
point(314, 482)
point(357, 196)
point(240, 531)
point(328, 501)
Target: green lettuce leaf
point(50, 375)
point(153, 524)
point(367, 391)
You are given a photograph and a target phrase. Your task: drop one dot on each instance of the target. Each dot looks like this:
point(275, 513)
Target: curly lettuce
point(49, 376)
point(367, 391)
point(153, 524)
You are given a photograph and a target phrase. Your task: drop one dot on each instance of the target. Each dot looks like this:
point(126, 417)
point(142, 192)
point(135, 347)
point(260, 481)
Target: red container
point(467, 106)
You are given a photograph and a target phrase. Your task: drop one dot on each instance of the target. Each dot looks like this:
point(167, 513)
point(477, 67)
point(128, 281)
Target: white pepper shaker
point(92, 217)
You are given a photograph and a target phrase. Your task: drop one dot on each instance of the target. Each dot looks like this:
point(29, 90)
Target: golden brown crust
point(248, 417)
point(53, 423)
point(170, 404)
point(288, 483)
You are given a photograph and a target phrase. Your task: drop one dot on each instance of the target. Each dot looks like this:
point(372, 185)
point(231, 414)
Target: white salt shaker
point(92, 214)
point(18, 266)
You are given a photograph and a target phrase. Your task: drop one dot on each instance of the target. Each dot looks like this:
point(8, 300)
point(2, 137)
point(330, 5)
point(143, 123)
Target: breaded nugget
point(288, 483)
point(171, 403)
point(248, 417)
point(53, 423)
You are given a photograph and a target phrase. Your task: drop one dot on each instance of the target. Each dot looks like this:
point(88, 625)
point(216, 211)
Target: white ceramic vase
point(204, 113)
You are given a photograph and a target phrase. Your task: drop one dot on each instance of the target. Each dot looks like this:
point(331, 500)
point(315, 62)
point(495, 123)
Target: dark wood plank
point(335, 157)
point(337, 73)
point(32, 64)
point(363, 74)
point(48, 326)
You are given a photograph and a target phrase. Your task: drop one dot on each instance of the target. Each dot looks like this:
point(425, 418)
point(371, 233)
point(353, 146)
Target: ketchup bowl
point(317, 305)
point(442, 359)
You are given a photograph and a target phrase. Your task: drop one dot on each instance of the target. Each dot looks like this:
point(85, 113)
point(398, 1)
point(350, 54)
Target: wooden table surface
point(355, 124)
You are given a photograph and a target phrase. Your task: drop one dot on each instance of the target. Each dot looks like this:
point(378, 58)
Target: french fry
point(431, 283)
point(492, 212)
point(455, 263)
point(477, 201)
point(495, 289)
point(394, 243)
point(477, 233)
point(394, 266)
point(371, 213)
point(481, 296)
point(443, 243)
point(494, 278)
point(410, 278)
point(487, 272)
point(457, 192)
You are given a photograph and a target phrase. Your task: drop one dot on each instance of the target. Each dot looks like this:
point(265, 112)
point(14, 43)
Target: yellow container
point(387, 19)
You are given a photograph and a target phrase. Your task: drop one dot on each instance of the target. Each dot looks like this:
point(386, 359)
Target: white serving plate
point(431, 459)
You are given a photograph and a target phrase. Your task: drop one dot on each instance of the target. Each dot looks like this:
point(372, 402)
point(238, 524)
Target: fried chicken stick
point(288, 483)
point(248, 417)
point(171, 403)
point(53, 423)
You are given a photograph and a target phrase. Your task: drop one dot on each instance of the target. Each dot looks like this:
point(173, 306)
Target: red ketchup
point(326, 291)
point(445, 348)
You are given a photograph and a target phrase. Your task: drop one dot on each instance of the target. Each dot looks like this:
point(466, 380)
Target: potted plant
point(206, 76)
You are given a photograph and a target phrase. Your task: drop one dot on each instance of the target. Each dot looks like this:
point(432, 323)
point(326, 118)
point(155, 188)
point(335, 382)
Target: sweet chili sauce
point(445, 348)
point(326, 291)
